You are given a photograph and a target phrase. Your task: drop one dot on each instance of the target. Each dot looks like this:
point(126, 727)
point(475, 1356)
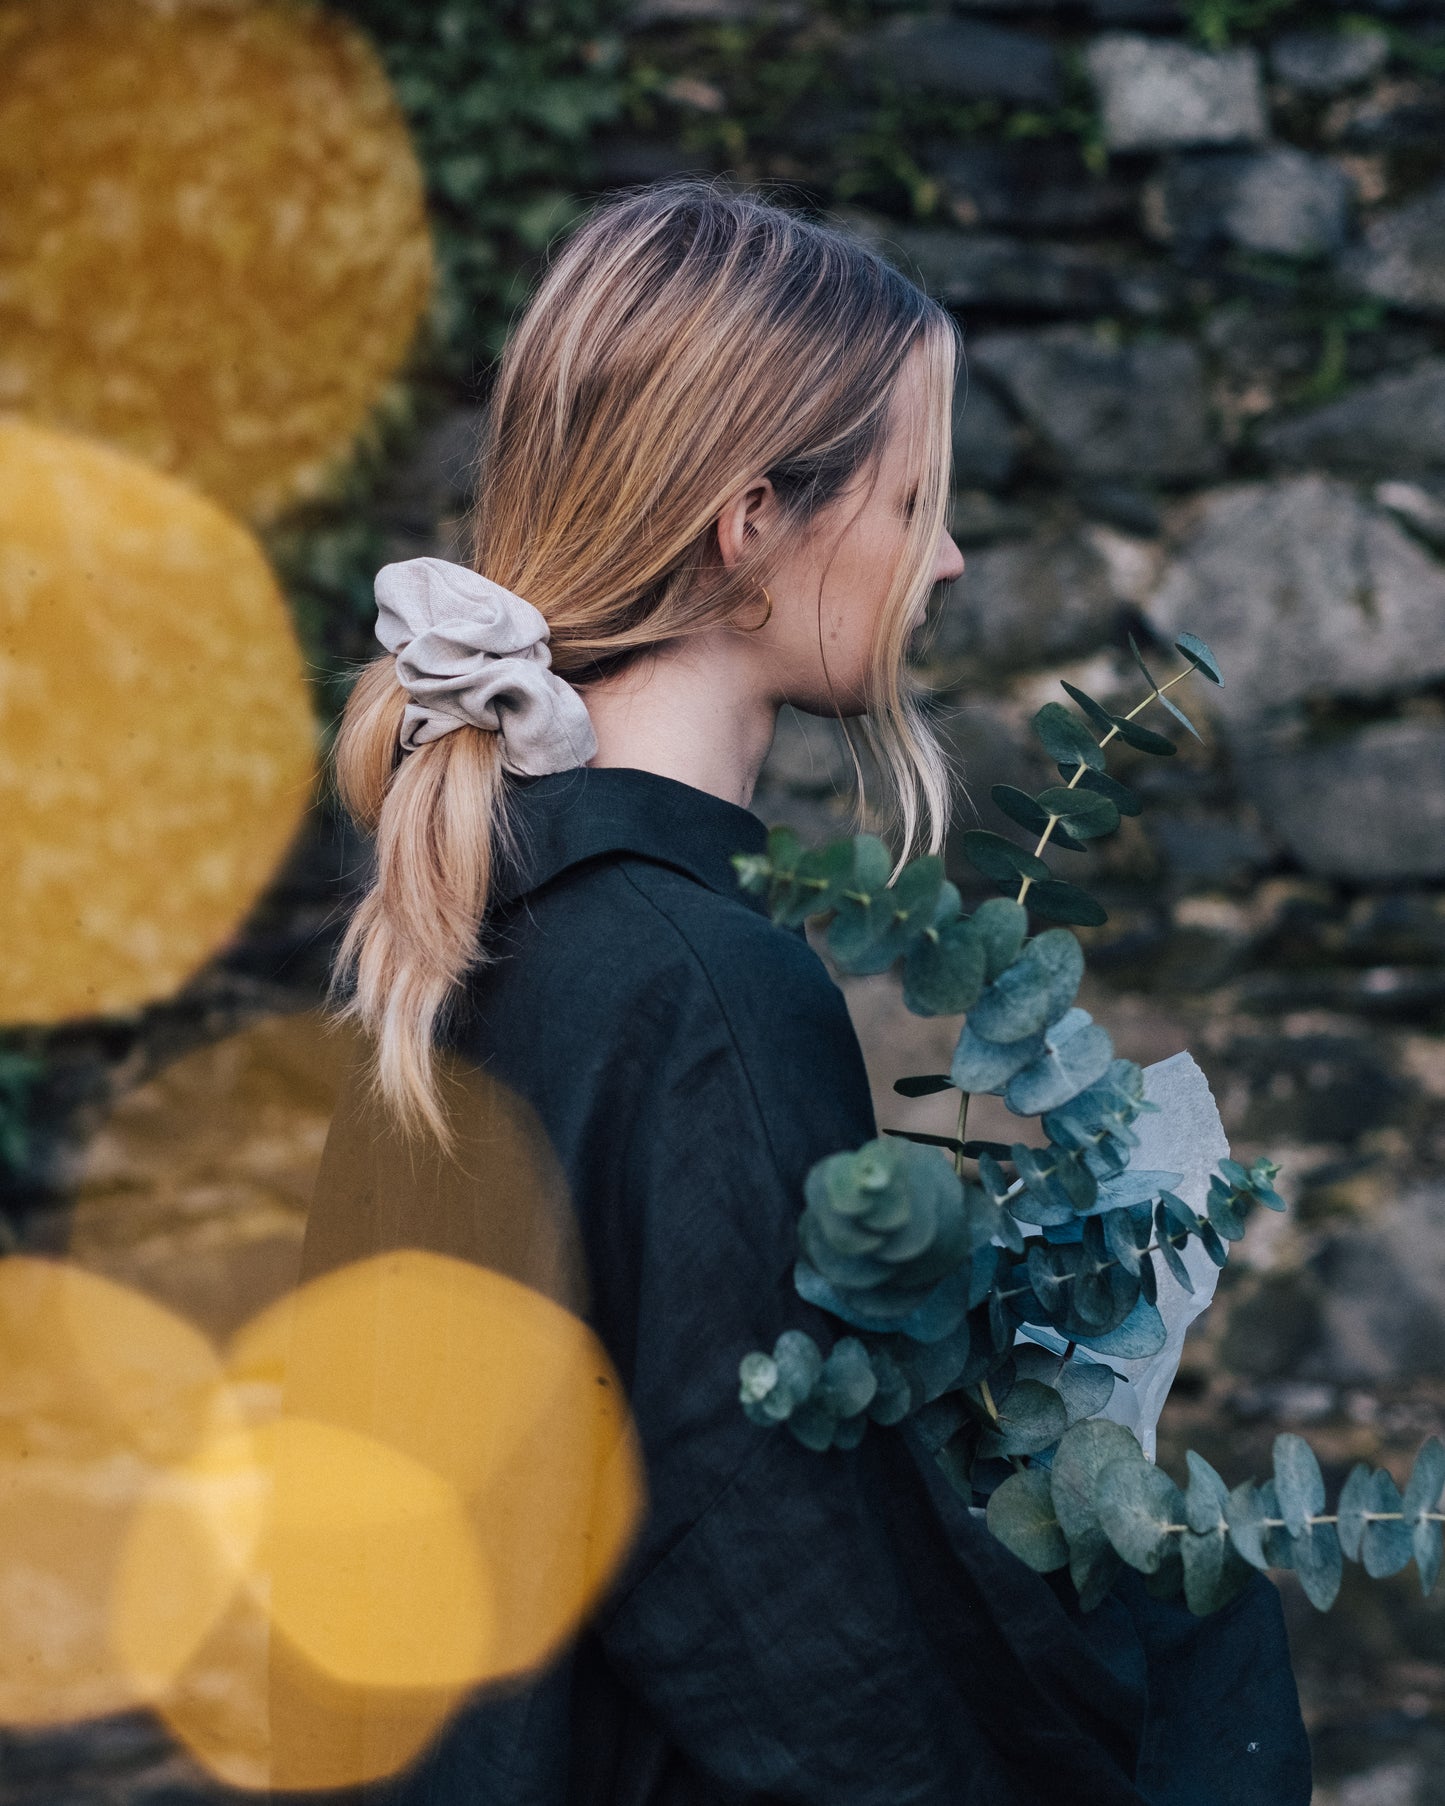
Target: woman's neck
point(695, 710)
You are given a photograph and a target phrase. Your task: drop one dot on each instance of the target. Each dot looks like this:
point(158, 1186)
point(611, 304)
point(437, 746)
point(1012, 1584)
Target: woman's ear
point(745, 521)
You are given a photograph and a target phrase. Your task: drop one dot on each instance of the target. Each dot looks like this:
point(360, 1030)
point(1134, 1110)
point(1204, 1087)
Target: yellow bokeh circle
point(157, 742)
point(214, 250)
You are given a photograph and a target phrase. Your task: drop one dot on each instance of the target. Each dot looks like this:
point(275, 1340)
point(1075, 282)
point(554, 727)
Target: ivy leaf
point(1085, 814)
point(1199, 655)
point(1029, 813)
point(1032, 992)
point(998, 858)
point(1020, 1514)
point(1298, 1482)
point(1138, 1503)
point(1066, 739)
point(1058, 901)
point(1095, 711)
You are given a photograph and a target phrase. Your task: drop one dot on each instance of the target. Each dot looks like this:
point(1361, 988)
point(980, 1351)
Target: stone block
point(1368, 807)
point(964, 58)
point(1384, 1311)
point(1026, 604)
point(1133, 413)
point(1402, 257)
point(1029, 187)
point(1394, 426)
point(1282, 201)
point(1160, 95)
point(985, 435)
point(1328, 62)
point(1303, 589)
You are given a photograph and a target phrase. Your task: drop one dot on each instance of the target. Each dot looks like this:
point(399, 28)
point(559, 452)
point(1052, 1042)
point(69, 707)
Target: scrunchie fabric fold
point(470, 652)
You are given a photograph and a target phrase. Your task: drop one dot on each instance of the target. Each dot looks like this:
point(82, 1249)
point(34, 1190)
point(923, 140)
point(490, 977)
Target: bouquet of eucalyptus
point(1005, 1296)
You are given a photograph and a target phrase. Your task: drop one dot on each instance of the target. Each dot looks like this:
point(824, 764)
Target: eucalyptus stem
point(1079, 771)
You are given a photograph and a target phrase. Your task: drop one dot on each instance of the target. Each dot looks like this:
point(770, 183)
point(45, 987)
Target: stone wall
point(1198, 253)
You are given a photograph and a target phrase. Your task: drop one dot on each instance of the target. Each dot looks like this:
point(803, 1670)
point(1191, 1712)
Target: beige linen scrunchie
point(469, 651)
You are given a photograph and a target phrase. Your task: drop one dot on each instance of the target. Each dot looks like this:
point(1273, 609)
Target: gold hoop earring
point(768, 616)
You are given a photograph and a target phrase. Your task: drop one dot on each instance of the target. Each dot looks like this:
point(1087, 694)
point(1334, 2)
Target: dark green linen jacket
point(829, 1630)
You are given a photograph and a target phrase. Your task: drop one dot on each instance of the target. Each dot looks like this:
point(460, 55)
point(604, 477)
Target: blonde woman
point(715, 481)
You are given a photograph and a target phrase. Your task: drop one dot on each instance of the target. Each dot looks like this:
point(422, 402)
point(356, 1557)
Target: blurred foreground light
point(157, 744)
point(214, 253)
point(101, 1393)
point(409, 1479)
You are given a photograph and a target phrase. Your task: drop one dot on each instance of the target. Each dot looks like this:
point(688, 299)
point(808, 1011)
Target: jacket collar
point(566, 817)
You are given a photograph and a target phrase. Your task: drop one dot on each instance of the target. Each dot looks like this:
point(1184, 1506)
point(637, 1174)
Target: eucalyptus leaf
point(998, 858)
point(1020, 807)
point(923, 1085)
point(1139, 661)
point(1138, 1506)
point(943, 970)
point(1085, 814)
point(980, 1065)
point(1245, 1514)
point(1318, 1562)
point(1205, 1496)
point(1096, 712)
point(1213, 1571)
point(1355, 1497)
point(1002, 926)
point(1032, 1417)
point(1083, 1453)
point(1058, 901)
point(1060, 1072)
point(1199, 655)
point(847, 1382)
point(1144, 739)
point(1179, 715)
point(1020, 1514)
point(1298, 1482)
point(1388, 1544)
point(1066, 739)
point(1141, 1334)
point(1034, 991)
point(1125, 800)
point(1426, 1482)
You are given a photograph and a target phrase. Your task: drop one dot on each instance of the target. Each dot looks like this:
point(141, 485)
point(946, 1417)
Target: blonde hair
point(686, 339)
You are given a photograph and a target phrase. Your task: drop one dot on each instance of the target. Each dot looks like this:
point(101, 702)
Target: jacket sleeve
point(763, 1619)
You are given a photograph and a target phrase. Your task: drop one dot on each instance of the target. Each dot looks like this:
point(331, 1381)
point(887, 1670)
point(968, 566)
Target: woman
point(717, 466)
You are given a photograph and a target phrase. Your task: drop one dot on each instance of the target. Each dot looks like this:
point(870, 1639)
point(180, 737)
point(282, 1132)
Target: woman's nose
point(950, 561)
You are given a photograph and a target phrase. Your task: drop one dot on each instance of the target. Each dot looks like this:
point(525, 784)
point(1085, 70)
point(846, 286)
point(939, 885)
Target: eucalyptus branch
point(933, 1275)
